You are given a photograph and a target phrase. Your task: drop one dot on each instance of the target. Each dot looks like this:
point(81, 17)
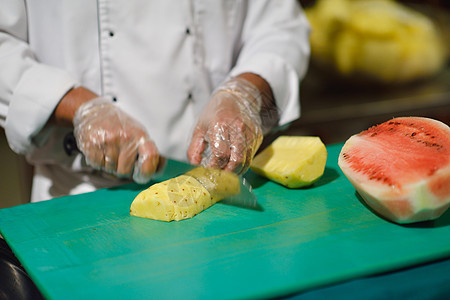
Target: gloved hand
point(114, 142)
point(229, 130)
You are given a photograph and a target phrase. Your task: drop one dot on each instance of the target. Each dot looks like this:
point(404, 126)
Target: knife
point(245, 199)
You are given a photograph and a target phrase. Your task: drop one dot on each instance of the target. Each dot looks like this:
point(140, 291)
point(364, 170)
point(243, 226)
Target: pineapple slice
point(293, 161)
point(185, 196)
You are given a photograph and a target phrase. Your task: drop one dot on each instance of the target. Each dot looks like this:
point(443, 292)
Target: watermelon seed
point(373, 134)
point(413, 134)
point(432, 171)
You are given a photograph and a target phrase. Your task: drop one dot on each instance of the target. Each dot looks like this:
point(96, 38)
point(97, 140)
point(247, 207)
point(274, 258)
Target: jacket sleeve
point(29, 90)
point(275, 45)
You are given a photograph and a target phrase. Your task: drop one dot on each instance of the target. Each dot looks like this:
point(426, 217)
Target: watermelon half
point(401, 168)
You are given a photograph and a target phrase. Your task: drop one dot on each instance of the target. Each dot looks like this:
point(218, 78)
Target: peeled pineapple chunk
point(185, 196)
point(220, 184)
point(293, 161)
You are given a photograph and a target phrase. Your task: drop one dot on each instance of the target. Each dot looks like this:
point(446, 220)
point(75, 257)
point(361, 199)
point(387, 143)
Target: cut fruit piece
point(220, 184)
point(179, 198)
point(401, 168)
point(293, 161)
point(185, 196)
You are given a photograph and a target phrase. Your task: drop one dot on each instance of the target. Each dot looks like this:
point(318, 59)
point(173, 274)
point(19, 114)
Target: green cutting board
point(88, 247)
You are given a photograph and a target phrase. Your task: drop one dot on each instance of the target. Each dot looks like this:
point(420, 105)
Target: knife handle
point(70, 144)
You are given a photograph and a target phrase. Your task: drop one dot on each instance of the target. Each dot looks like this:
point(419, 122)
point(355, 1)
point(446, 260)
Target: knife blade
point(245, 199)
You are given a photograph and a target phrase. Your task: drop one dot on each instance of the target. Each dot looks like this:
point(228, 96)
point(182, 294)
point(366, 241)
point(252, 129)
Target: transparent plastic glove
point(229, 130)
point(114, 142)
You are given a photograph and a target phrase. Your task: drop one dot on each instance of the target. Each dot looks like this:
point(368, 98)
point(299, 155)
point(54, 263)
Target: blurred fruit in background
point(380, 41)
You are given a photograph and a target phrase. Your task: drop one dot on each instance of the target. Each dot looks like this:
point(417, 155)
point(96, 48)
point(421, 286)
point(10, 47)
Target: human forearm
point(268, 110)
point(66, 108)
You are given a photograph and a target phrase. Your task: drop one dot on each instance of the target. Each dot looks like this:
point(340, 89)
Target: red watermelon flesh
point(401, 168)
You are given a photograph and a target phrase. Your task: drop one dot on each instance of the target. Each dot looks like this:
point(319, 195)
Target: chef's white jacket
point(159, 60)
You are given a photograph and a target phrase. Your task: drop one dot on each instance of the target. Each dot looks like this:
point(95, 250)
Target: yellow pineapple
point(383, 40)
point(220, 184)
point(293, 161)
point(185, 196)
